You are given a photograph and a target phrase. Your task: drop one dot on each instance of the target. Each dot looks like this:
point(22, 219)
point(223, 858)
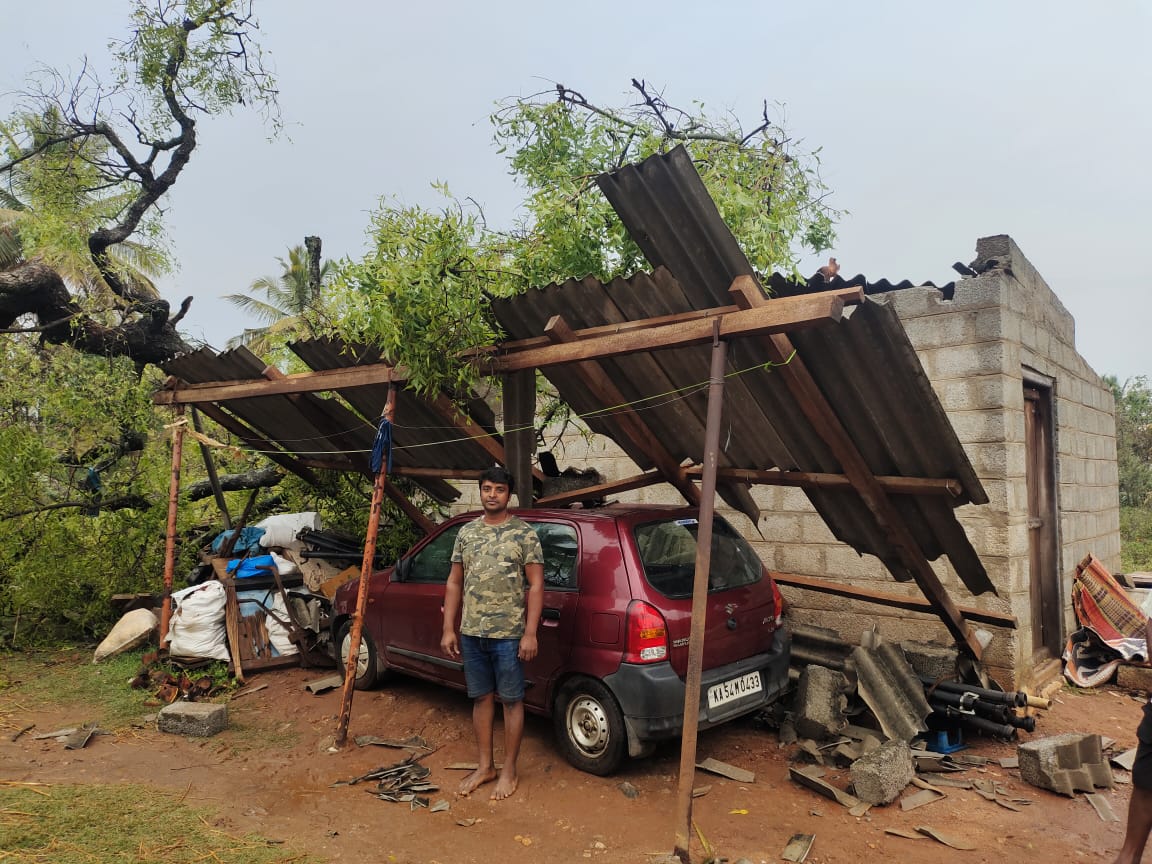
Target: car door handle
point(550, 615)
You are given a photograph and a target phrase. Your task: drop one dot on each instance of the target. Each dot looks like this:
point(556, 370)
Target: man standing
point(1140, 804)
point(498, 571)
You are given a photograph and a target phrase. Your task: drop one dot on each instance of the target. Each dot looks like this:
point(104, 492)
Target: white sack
point(197, 628)
point(281, 529)
point(132, 629)
point(284, 565)
point(277, 632)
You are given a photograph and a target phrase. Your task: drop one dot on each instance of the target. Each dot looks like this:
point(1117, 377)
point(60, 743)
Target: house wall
point(975, 350)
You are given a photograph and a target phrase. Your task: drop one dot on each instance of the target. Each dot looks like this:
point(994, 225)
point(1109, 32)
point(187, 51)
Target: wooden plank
point(823, 418)
point(596, 379)
point(232, 628)
point(303, 382)
point(816, 480)
point(886, 598)
point(775, 316)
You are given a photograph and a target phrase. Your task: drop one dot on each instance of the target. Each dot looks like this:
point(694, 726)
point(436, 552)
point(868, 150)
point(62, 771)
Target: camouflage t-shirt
point(494, 557)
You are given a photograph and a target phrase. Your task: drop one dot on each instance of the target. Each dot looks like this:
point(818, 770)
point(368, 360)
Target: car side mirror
point(403, 569)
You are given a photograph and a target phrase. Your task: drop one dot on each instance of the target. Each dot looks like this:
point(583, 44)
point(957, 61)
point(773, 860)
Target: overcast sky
point(938, 123)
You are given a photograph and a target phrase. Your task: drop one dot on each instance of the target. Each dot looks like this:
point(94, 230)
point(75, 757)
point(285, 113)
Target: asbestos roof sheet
point(339, 428)
point(864, 365)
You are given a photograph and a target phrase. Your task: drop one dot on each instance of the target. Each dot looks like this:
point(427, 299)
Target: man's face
point(494, 497)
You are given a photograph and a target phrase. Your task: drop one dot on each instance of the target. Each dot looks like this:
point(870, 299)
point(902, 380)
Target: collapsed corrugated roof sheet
point(305, 430)
point(864, 366)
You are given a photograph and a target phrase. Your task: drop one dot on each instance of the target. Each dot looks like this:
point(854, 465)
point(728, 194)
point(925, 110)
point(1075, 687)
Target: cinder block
point(197, 719)
point(937, 662)
point(880, 776)
point(1065, 763)
point(820, 702)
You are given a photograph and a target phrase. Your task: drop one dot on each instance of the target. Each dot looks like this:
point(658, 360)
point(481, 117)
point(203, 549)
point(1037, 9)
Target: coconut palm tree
point(293, 308)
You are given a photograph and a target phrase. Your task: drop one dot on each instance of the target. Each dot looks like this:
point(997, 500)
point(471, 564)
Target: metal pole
point(700, 599)
point(366, 566)
point(170, 534)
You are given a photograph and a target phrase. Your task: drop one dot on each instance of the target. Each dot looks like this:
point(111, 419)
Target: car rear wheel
point(589, 726)
point(367, 670)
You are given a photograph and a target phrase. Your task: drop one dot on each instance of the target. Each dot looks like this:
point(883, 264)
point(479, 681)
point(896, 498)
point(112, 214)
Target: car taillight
point(647, 635)
point(779, 602)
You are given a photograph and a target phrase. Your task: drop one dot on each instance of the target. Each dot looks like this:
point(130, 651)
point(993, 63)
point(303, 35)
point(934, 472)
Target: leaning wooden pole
point(170, 533)
point(699, 600)
point(362, 594)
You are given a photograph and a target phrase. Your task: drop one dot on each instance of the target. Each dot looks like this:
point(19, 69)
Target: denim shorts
point(492, 665)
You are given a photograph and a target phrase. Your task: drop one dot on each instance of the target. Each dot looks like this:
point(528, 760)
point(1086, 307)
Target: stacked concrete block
point(197, 719)
point(821, 697)
point(880, 776)
point(1068, 763)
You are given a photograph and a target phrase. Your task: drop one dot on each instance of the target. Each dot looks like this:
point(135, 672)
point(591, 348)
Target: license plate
point(733, 689)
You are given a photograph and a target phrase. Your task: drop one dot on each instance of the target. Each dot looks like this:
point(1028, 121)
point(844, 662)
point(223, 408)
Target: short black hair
point(497, 474)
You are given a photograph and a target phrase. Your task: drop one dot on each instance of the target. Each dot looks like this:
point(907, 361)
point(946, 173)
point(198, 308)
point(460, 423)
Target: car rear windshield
point(668, 553)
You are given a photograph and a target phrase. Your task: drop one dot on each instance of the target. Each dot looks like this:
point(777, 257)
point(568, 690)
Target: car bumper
point(652, 697)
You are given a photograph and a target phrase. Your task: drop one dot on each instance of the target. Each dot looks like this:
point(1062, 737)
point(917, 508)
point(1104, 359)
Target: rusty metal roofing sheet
point(342, 429)
point(864, 365)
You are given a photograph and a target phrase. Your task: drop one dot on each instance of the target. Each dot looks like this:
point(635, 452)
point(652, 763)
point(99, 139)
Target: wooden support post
point(827, 424)
point(366, 566)
point(170, 533)
point(700, 600)
point(519, 430)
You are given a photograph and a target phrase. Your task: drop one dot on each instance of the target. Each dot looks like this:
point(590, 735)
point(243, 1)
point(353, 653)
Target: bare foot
point(475, 780)
point(505, 786)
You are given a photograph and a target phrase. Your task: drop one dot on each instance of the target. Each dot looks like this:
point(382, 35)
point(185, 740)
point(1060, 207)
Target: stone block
point(880, 776)
point(1066, 764)
point(821, 697)
point(937, 662)
point(197, 719)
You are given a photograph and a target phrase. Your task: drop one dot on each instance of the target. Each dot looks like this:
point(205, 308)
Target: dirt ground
point(271, 772)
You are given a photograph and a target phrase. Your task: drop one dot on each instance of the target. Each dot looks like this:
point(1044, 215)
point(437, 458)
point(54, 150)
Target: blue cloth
point(248, 541)
point(245, 568)
point(382, 447)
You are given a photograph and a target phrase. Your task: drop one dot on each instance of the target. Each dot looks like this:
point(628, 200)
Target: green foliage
point(422, 292)
point(79, 440)
point(1134, 440)
point(1136, 538)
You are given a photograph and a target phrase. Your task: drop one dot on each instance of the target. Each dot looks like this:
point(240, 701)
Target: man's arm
point(453, 591)
point(533, 606)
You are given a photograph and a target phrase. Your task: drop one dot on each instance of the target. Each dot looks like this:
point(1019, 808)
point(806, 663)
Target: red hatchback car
point(613, 637)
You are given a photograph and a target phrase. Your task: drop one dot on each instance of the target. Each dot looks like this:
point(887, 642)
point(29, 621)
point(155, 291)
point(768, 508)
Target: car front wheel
point(367, 670)
point(589, 726)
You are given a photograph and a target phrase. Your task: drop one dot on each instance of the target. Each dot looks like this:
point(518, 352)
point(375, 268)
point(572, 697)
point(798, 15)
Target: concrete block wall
point(975, 350)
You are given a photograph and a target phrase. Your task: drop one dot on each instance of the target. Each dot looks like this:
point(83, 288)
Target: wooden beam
point(599, 383)
point(602, 490)
point(816, 480)
point(886, 598)
point(788, 313)
point(815, 407)
point(303, 382)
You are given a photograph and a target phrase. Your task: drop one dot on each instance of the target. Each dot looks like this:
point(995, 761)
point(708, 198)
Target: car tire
point(589, 726)
point(367, 668)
